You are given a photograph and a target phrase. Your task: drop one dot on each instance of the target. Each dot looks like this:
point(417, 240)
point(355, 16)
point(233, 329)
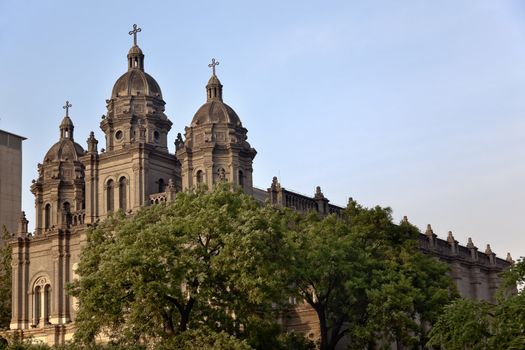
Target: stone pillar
point(39, 211)
point(65, 317)
point(16, 284)
point(170, 191)
point(91, 182)
point(136, 185)
point(473, 250)
point(453, 244)
point(431, 237)
point(42, 297)
point(275, 192)
point(25, 283)
point(322, 202)
point(490, 255)
point(54, 317)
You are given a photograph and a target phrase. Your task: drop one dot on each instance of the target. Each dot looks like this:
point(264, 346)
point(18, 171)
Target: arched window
point(241, 178)
point(41, 301)
point(110, 196)
point(47, 217)
point(122, 194)
point(162, 185)
point(200, 177)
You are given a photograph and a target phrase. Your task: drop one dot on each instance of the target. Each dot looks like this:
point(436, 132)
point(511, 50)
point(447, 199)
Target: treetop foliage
point(215, 269)
point(470, 324)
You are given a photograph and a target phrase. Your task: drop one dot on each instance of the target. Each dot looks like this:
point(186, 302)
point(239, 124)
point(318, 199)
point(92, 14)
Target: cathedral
point(78, 186)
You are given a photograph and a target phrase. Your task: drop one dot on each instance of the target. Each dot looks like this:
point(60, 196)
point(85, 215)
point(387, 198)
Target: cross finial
point(213, 64)
point(134, 33)
point(66, 107)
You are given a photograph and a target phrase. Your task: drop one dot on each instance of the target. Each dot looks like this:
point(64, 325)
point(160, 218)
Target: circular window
point(119, 134)
point(156, 136)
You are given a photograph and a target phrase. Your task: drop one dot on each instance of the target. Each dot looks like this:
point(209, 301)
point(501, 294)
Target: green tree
point(205, 260)
point(205, 339)
point(470, 324)
point(5, 280)
point(465, 324)
point(365, 277)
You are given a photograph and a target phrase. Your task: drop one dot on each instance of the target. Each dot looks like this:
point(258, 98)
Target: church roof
point(66, 122)
point(64, 150)
point(215, 111)
point(136, 82)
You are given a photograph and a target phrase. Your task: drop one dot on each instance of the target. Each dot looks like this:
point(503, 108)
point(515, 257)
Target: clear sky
point(416, 105)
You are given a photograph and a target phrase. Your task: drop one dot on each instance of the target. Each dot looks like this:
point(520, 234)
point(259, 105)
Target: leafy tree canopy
point(217, 266)
point(365, 277)
point(470, 324)
point(209, 259)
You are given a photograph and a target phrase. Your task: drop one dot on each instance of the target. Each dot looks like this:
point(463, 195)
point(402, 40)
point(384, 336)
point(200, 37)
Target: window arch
point(41, 301)
point(47, 216)
point(122, 193)
point(110, 195)
point(199, 177)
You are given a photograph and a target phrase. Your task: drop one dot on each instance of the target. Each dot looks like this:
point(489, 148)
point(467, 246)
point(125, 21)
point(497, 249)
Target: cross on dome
point(66, 107)
point(134, 33)
point(213, 64)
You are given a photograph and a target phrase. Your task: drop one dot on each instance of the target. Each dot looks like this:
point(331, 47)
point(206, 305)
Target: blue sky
point(417, 105)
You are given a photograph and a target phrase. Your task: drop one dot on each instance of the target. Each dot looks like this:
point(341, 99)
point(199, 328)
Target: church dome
point(215, 111)
point(63, 150)
point(136, 82)
point(66, 148)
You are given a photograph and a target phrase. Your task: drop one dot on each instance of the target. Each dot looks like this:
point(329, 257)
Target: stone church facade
point(77, 186)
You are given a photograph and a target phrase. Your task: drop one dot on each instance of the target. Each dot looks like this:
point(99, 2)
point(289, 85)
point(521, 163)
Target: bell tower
point(135, 163)
point(215, 147)
point(59, 188)
point(135, 112)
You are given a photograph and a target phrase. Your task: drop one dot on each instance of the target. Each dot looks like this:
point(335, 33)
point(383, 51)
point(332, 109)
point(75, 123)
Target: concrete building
point(10, 180)
point(77, 187)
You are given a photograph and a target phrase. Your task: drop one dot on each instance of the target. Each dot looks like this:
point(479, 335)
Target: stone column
point(42, 297)
point(16, 285)
point(25, 284)
point(65, 317)
point(54, 316)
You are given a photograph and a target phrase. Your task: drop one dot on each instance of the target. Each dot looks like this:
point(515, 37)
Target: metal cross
point(66, 107)
point(134, 33)
point(213, 64)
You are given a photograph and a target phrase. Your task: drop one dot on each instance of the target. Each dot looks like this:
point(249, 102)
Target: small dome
point(214, 80)
point(215, 111)
point(66, 122)
point(65, 149)
point(135, 50)
point(136, 82)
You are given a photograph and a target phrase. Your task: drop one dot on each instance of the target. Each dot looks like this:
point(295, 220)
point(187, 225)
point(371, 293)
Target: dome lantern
point(66, 126)
point(135, 55)
point(214, 87)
